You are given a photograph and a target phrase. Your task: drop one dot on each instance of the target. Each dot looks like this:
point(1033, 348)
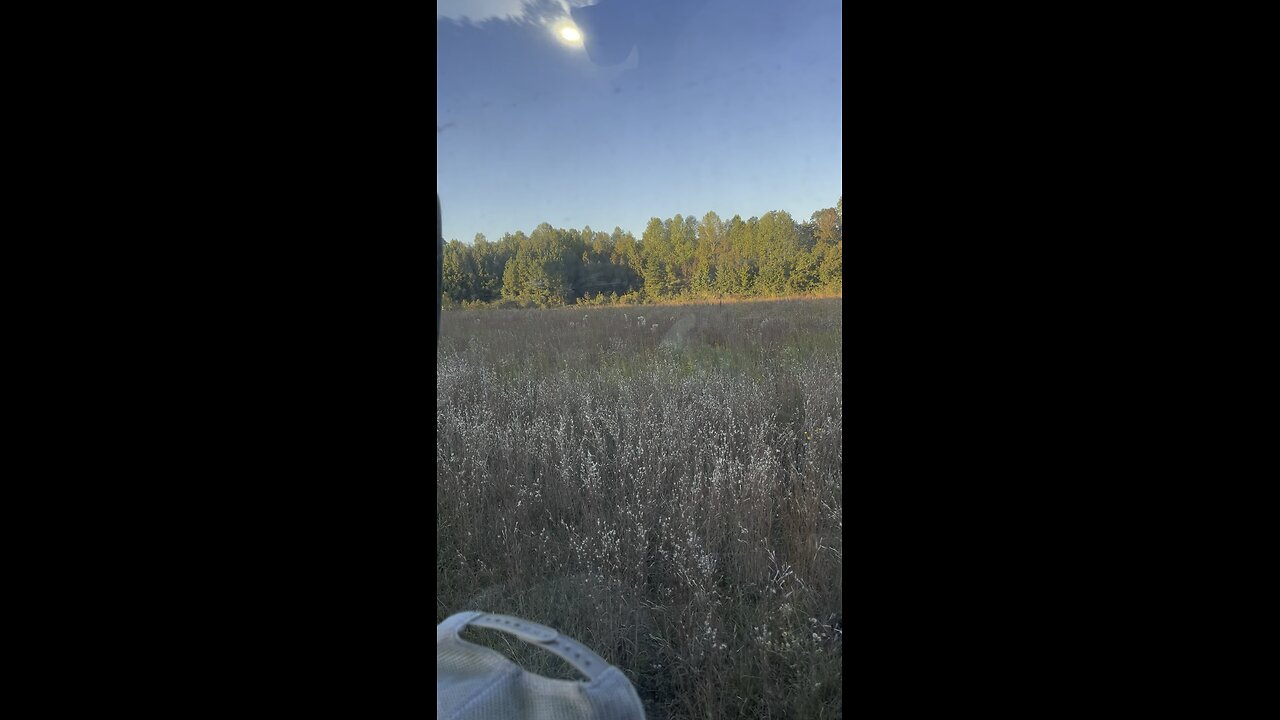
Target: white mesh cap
point(477, 683)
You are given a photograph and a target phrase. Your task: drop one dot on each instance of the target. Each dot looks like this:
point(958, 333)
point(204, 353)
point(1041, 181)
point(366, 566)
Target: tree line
point(677, 258)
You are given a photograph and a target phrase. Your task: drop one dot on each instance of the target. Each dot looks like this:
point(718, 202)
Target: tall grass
point(669, 496)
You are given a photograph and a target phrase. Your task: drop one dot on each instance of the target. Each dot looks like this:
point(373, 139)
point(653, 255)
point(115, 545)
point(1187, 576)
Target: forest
point(678, 258)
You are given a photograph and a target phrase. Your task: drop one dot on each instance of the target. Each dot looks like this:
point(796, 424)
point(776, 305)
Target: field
point(660, 483)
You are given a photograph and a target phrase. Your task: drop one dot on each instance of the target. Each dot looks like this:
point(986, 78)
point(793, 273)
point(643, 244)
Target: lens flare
point(570, 35)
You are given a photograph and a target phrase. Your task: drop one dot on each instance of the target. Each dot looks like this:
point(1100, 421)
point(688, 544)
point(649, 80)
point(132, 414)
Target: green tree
point(778, 244)
point(707, 255)
point(831, 269)
point(804, 273)
point(772, 254)
point(458, 272)
point(826, 225)
point(655, 251)
point(488, 278)
point(625, 263)
point(625, 250)
point(736, 276)
point(683, 237)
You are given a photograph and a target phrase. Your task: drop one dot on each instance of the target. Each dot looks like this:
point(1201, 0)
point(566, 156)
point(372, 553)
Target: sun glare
point(570, 34)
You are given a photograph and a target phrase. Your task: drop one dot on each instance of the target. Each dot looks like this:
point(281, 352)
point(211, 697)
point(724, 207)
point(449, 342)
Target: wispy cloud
point(481, 10)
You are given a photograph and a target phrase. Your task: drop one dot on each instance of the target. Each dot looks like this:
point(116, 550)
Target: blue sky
point(676, 106)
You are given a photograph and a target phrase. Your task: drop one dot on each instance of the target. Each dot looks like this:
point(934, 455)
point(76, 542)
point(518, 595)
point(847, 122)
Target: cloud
point(481, 10)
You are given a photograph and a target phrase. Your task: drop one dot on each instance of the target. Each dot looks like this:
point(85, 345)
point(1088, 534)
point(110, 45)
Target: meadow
point(662, 483)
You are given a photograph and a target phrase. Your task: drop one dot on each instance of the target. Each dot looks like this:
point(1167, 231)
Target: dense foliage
point(680, 257)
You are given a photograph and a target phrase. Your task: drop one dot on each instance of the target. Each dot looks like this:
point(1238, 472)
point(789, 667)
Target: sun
point(569, 35)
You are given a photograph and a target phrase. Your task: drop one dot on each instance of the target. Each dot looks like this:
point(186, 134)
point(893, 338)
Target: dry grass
point(671, 497)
